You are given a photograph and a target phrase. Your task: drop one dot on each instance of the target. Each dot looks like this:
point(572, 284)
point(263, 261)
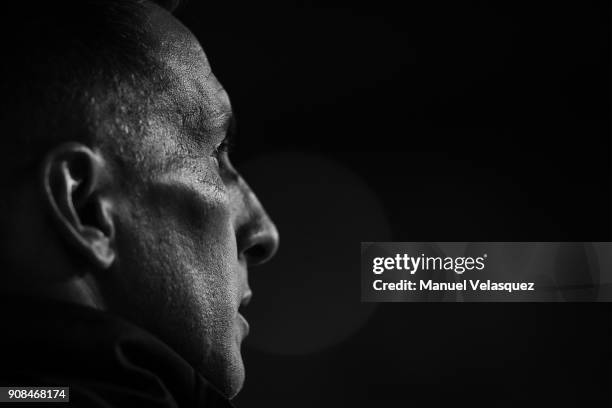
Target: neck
point(77, 290)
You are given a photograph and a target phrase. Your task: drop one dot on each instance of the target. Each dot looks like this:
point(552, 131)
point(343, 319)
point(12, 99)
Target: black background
point(468, 121)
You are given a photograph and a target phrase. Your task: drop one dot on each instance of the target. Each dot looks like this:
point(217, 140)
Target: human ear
point(74, 183)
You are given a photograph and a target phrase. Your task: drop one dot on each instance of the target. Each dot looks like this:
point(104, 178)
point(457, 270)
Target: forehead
point(182, 54)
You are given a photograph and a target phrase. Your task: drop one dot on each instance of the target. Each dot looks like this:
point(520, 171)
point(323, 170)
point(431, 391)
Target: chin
point(236, 385)
point(231, 385)
point(229, 376)
point(236, 376)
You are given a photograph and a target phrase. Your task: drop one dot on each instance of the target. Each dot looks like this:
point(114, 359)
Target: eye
point(222, 148)
point(220, 154)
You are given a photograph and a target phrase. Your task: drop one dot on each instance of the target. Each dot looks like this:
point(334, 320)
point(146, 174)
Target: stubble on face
point(179, 266)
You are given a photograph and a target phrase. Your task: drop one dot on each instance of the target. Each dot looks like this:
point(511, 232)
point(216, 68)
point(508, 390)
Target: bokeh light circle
point(308, 297)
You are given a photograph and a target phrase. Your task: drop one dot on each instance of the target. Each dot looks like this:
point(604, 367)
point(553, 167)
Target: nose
point(256, 235)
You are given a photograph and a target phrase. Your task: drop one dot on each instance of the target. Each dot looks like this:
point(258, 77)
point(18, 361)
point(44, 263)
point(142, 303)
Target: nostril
point(255, 253)
point(259, 253)
point(257, 240)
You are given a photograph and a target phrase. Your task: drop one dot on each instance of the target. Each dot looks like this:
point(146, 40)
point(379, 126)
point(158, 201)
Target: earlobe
point(75, 186)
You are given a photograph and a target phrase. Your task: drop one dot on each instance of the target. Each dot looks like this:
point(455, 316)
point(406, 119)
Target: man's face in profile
point(188, 230)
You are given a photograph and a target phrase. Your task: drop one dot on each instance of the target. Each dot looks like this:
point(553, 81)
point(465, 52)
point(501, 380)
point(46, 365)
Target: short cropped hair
point(74, 70)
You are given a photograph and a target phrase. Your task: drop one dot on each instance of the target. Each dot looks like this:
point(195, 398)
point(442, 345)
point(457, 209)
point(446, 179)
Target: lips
point(246, 299)
point(245, 324)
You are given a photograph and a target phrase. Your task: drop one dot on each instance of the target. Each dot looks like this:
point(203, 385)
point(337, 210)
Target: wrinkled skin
point(186, 232)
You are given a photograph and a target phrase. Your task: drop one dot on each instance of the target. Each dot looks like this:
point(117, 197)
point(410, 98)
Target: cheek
point(195, 230)
point(181, 258)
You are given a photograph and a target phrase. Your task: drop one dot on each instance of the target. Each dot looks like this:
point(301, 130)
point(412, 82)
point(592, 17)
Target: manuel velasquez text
point(467, 284)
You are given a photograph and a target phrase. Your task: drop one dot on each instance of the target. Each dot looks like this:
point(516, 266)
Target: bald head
point(77, 70)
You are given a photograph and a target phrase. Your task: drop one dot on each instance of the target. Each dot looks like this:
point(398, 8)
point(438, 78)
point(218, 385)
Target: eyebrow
point(228, 126)
point(197, 122)
point(228, 123)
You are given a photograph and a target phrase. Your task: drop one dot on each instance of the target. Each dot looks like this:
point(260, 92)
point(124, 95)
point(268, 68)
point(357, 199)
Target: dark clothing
point(106, 361)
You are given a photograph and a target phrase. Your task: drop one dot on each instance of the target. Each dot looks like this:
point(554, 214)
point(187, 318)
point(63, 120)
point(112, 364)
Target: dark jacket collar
point(105, 360)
